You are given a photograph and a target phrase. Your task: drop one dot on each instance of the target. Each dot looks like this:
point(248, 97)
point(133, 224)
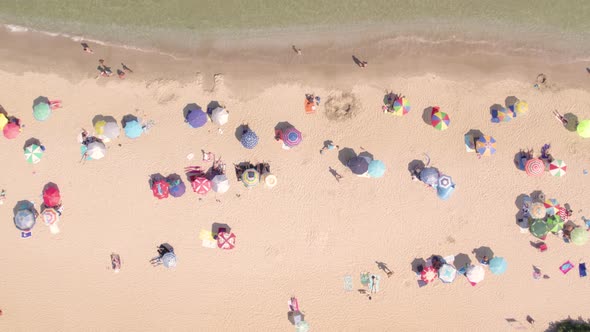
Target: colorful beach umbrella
point(11, 130)
point(520, 107)
point(428, 274)
point(534, 167)
point(562, 213)
point(133, 129)
point(161, 189)
point(51, 196)
point(401, 106)
point(291, 137)
point(475, 273)
point(557, 168)
point(96, 150)
point(439, 120)
point(538, 210)
point(555, 223)
point(583, 128)
point(220, 183)
point(250, 177)
point(498, 265)
point(376, 169)
point(3, 121)
point(579, 236)
point(249, 139)
point(201, 185)
point(447, 273)
point(50, 216)
point(24, 219)
point(552, 206)
point(169, 260)
point(33, 153)
point(485, 146)
point(539, 228)
point(358, 165)
point(197, 118)
point(430, 176)
point(226, 241)
point(219, 116)
point(41, 111)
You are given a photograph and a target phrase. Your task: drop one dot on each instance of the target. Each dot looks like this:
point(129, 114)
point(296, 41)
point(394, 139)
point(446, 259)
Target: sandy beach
point(304, 236)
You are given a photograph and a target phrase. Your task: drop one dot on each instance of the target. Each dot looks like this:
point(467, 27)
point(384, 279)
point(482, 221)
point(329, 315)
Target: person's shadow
point(357, 61)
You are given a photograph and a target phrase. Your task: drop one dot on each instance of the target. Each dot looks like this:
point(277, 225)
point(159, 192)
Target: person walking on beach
point(297, 50)
point(125, 68)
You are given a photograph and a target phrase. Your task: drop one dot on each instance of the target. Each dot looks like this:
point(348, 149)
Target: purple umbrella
point(197, 118)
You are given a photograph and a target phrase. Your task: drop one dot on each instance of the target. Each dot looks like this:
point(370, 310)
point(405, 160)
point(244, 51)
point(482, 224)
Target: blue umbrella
point(358, 165)
point(133, 129)
point(177, 188)
point(249, 139)
point(196, 118)
point(445, 192)
point(376, 169)
point(498, 265)
point(429, 176)
point(24, 220)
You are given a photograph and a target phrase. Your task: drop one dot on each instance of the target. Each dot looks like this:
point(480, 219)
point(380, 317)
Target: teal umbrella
point(376, 169)
point(41, 111)
point(498, 265)
point(33, 153)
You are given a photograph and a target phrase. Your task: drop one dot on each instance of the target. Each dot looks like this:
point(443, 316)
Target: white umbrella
point(475, 273)
point(447, 273)
point(269, 180)
point(111, 130)
point(96, 150)
point(220, 183)
point(219, 116)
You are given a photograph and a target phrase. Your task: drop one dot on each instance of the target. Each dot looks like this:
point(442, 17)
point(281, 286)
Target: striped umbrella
point(249, 139)
point(439, 120)
point(291, 137)
point(250, 177)
point(552, 206)
point(428, 274)
point(447, 273)
point(401, 106)
point(557, 168)
point(562, 213)
point(201, 185)
point(504, 115)
point(41, 111)
point(538, 210)
point(33, 153)
point(486, 146)
point(534, 167)
point(539, 228)
point(554, 223)
point(226, 240)
point(50, 216)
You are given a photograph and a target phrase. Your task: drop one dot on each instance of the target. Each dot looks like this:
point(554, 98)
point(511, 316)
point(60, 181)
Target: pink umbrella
point(428, 274)
point(11, 130)
point(226, 241)
point(201, 185)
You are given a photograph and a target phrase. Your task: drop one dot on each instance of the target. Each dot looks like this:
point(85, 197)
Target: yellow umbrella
point(521, 107)
point(3, 121)
point(99, 127)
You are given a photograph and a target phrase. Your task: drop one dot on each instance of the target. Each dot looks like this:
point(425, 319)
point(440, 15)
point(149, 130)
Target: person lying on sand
point(125, 68)
point(121, 74)
point(560, 118)
point(86, 48)
point(297, 50)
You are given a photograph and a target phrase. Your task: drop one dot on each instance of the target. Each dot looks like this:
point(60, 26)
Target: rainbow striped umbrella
point(557, 168)
point(485, 146)
point(250, 177)
point(439, 120)
point(50, 216)
point(534, 167)
point(552, 206)
point(504, 115)
point(401, 106)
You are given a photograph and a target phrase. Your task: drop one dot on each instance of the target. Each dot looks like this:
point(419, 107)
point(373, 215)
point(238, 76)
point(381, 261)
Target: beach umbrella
point(539, 228)
point(562, 213)
point(33, 153)
point(447, 273)
point(219, 116)
point(109, 130)
point(439, 120)
point(99, 127)
point(291, 137)
point(201, 185)
point(11, 130)
point(583, 128)
point(220, 183)
point(249, 139)
point(176, 187)
point(269, 180)
point(41, 111)
point(24, 220)
point(428, 274)
point(51, 196)
point(250, 177)
point(445, 181)
point(475, 273)
point(3, 120)
point(358, 165)
point(554, 223)
point(445, 193)
point(534, 167)
point(579, 236)
point(50, 216)
point(504, 115)
point(302, 326)
point(197, 118)
point(552, 206)
point(401, 106)
point(96, 150)
point(226, 240)
point(161, 189)
point(498, 265)
point(538, 210)
point(485, 146)
point(430, 175)
point(520, 107)
point(133, 129)
point(376, 168)
point(557, 168)
point(169, 260)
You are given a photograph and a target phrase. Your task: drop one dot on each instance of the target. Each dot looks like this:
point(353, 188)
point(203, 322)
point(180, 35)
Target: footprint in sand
point(572, 148)
point(217, 82)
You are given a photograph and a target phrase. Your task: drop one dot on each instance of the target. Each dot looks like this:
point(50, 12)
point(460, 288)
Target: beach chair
point(542, 247)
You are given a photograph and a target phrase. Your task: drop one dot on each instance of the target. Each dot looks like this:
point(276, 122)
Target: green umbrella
point(583, 128)
point(302, 326)
point(41, 111)
point(554, 223)
point(539, 228)
point(579, 236)
point(33, 153)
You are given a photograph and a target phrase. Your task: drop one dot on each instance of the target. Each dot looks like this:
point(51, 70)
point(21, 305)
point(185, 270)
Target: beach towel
point(26, 235)
point(374, 283)
point(309, 107)
point(582, 268)
point(365, 278)
point(348, 283)
point(566, 267)
point(207, 239)
point(469, 143)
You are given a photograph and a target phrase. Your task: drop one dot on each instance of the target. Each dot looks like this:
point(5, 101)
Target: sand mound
point(341, 106)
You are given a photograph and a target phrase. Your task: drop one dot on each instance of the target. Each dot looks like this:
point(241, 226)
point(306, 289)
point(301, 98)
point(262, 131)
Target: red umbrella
point(428, 274)
point(160, 189)
point(201, 185)
point(51, 196)
point(226, 241)
point(11, 130)
point(534, 167)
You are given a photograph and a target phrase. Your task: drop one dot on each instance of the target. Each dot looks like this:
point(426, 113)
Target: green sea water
point(184, 21)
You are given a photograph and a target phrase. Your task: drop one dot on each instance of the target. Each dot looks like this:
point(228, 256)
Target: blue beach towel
point(582, 268)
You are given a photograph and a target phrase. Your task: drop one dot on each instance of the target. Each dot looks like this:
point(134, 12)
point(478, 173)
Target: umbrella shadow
point(367, 154)
point(24, 205)
point(519, 202)
point(128, 118)
point(427, 115)
point(416, 263)
point(283, 125)
point(415, 164)
point(572, 121)
point(461, 260)
point(215, 228)
point(291, 316)
point(483, 251)
point(30, 141)
point(3, 111)
point(240, 130)
point(99, 117)
point(345, 154)
point(188, 108)
point(475, 133)
point(173, 177)
point(213, 104)
point(40, 100)
point(510, 101)
point(538, 196)
point(389, 98)
point(494, 110)
point(155, 178)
